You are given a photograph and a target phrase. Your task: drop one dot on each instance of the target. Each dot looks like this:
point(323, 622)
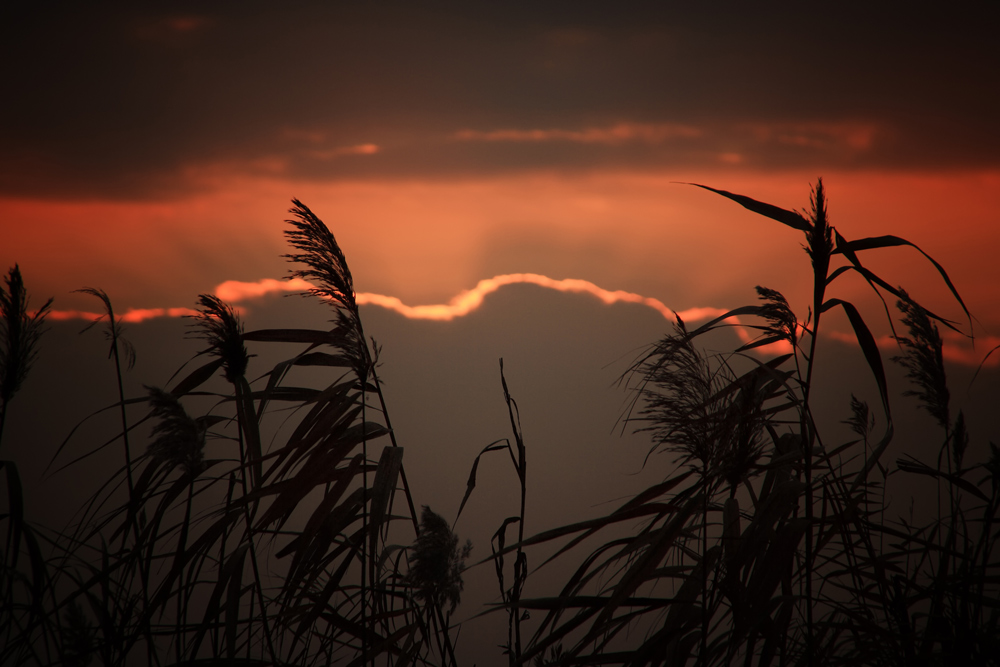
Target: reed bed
point(256, 519)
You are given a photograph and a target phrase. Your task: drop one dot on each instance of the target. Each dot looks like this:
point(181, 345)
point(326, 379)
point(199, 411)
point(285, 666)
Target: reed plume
point(922, 358)
point(437, 563)
point(219, 325)
point(324, 260)
point(20, 330)
point(178, 439)
point(680, 391)
point(114, 331)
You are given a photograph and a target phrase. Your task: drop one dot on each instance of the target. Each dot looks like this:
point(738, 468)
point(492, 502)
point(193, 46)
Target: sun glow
point(467, 301)
point(956, 348)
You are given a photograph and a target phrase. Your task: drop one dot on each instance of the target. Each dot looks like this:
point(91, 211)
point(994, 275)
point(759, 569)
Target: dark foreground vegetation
point(769, 544)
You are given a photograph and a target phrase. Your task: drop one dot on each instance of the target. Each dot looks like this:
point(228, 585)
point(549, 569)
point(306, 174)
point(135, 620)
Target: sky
point(153, 151)
point(458, 150)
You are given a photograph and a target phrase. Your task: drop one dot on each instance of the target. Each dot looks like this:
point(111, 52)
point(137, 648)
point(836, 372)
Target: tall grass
point(763, 545)
point(260, 525)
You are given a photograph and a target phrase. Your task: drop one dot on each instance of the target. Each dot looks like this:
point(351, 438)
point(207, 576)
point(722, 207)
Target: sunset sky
point(152, 150)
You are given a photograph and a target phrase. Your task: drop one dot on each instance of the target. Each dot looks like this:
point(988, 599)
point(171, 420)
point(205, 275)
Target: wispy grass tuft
point(219, 325)
point(178, 439)
point(684, 408)
point(114, 331)
point(760, 549)
point(437, 563)
point(922, 358)
point(321, 254)
point(20, 330)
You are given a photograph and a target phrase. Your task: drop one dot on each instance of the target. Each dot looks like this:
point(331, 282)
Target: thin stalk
point(181, 599)
point(3, 419)
point(392, 439)
point(364, 526)
point(819, 250)
point(216, 644)
point(248, 517)
point(124, 419)
point(520, 563)
point(446, 632)
point(986, 544)
point(703, 656)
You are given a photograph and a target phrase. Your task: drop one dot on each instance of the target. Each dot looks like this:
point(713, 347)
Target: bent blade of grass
point(784, 216)
point(196, 378)
point(382, 490)
point(230, 572)
point(662, 542)
point(310, 336)
point(868, 347)
point(494, 446)
point(77, 426)
point(890, 241)
point(872, 279)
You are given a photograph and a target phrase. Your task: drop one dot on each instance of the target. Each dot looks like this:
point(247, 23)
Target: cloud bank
point(956, 349)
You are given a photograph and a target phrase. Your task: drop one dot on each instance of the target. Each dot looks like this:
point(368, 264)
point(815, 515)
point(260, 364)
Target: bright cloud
point(466, 301)
point(957, 349)
point(132, 315)
point(237, 290)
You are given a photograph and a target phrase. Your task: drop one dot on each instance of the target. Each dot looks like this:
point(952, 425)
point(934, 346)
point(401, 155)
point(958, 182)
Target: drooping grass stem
point(521, 561)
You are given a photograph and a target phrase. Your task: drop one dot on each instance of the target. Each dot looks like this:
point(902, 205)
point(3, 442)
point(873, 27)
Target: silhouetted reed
point(23, 571)
point(765, 542)
point(20, 330)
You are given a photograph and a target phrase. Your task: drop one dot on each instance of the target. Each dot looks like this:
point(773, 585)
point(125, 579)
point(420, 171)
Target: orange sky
point(153, 149)
point(153, 152)
point(424, 242)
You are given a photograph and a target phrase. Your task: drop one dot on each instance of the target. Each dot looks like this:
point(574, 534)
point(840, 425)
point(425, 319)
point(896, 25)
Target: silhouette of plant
point(20, 330)
point(766, 543)
point(437, 563)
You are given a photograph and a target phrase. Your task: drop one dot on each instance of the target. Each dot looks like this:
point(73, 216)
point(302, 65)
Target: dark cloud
point(442, 386)
point(137, 102)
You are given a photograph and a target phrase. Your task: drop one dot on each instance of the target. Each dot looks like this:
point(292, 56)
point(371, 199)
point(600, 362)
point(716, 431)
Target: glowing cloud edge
point(467, 301)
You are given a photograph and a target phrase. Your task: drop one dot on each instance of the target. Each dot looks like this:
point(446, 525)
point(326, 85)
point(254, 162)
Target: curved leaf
point(868, 347)
point(784, 216)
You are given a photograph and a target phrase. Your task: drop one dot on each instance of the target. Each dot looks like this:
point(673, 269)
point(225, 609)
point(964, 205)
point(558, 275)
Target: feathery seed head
point(218, 323)
point(19, 333)
point(678, 388)
point(923, 361)
point(114, 332)
point(820, 235)
point(322, 256)
point(327, 266)
point(781, 319)
point(437, 562)
point(861, 420)
point(178, 440)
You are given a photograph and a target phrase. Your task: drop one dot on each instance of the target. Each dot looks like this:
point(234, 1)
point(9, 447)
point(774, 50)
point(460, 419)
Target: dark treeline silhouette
point(768, 543)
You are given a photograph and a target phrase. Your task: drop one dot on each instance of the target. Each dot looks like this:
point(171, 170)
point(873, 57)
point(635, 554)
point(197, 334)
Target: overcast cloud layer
point(137, 102)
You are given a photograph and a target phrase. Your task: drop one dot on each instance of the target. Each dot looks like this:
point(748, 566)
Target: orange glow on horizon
point(132, 315)
point(425, 241)
point(462, 304)
point(957, 349)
